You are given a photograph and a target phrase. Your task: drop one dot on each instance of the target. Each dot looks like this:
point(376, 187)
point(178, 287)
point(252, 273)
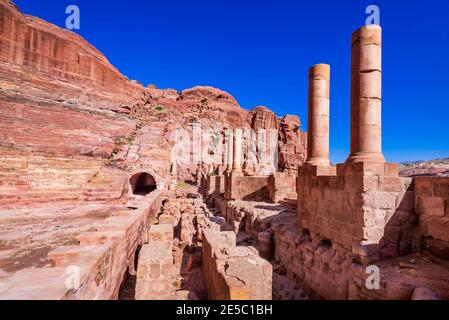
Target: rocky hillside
point(437, 167)
point(72, 127)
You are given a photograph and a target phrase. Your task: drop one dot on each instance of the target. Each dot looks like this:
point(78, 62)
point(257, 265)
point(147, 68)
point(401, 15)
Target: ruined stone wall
point(356, 211)
point(247, 188)
point(155, 266)
point(432, 207)
point(234, 273)
point(215, 184)
point(281, 185)
point(327, 270)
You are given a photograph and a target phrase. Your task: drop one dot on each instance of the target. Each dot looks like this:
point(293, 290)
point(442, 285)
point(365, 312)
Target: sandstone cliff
point(72, 127)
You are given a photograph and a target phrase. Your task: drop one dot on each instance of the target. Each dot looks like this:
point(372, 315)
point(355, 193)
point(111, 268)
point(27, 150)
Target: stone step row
point(95, 268)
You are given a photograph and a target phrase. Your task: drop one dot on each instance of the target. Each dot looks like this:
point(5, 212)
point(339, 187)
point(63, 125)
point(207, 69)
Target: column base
point(365, 156)
point(312, 170)
point(368, 168)
point(319, 162)
point(238, 173)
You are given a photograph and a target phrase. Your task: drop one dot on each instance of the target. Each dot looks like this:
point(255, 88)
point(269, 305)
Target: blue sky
point(260, 52)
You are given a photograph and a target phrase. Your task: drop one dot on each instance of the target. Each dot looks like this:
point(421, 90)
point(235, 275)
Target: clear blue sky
point(260, 52)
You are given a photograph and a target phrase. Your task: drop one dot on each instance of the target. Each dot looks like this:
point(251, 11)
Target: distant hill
point(436, 167)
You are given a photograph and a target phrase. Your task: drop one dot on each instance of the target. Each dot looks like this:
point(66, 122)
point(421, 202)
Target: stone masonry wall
point(246, 187)
point(363, 213)
point(432, 207)
point(215, 184)
point(280, 185)
point(328, 270)
point(155, 266)
point(234, 273)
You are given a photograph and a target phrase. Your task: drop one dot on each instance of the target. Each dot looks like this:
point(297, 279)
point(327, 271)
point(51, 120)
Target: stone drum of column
point(229, 136)
point(238, 148)
point(366, 95)
point(318, 118)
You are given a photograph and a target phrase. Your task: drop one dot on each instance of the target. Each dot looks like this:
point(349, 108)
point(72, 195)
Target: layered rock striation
point(69, 118)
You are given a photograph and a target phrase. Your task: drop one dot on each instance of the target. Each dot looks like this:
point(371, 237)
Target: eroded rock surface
point(70, 120)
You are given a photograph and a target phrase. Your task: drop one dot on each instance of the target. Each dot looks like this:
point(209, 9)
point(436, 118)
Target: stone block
point(154, 290)
point(369, 58)
point(391, 169)
point(430, 206)
point(239, 293)
point(247, 188)
point(423, 186)
point(438, 248)
point(160, 232)
point(373, 233)
point(380, 217)
point(155, 261)
point(366, 85)
point(354, 183)
point(361, 183)
point(439, 228)
point(81, 256)
point(98, 238)
point(384, 200)
point(406, 201)
point(441, 187)
point(367, 168)
point(319, 88)
point(35, 284)
point(409, 184)
point(366, 35)
point(391, 184)
point(234, 273)
point(219, 184)
point(424, 225)
point(399, 218)
point(167, 219)
point(336, 182)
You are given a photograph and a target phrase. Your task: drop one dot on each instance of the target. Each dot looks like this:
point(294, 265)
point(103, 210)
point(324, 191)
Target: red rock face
point(292, 144)
point(263, 118)
point(68, 117)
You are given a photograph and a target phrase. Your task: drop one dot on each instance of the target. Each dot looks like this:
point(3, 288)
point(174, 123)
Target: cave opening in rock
point(142, 183)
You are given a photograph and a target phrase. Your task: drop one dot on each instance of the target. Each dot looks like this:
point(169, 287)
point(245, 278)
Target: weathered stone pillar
point(366, 95)
point(318, 131)
point(173, 176)
point(238, 149)
point(229, 136)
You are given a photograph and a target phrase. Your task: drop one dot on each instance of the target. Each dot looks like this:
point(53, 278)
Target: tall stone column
point(229, 150)
point(366, 95)
point(238, 151)
point(318, 118)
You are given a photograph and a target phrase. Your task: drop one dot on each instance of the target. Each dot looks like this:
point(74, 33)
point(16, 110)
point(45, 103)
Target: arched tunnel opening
point(142, 183)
